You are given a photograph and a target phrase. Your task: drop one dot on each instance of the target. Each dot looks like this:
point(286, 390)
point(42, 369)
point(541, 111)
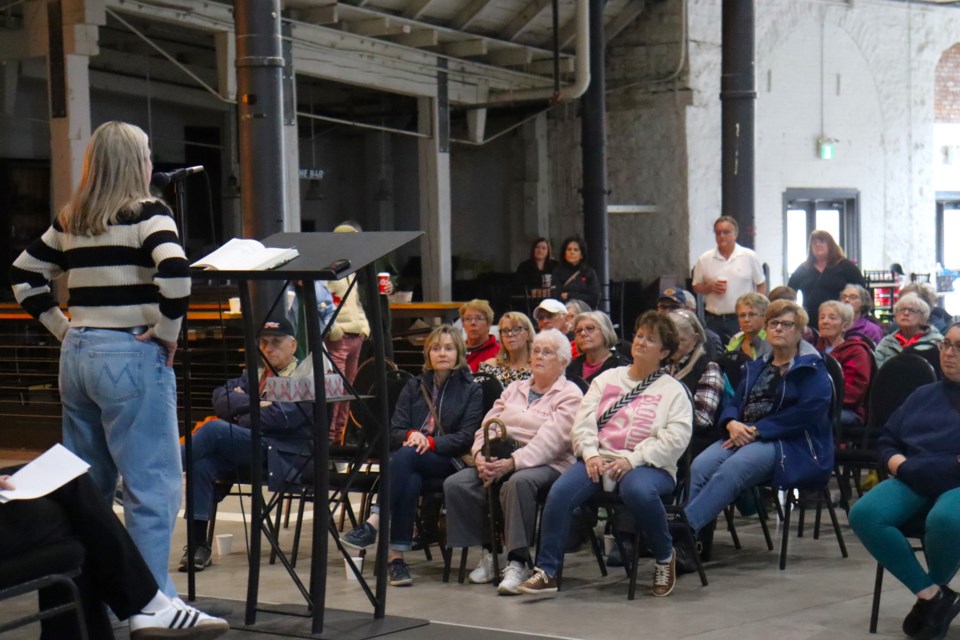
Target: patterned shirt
point(763, 395)
point(505, 375)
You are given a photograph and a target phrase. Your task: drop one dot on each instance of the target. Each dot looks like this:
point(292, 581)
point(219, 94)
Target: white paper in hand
point(53, 469)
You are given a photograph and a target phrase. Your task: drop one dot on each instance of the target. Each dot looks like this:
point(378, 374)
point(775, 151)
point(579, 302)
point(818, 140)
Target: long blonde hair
point(114, 183)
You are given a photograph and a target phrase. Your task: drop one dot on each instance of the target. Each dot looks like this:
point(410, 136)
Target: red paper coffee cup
point(383, 282)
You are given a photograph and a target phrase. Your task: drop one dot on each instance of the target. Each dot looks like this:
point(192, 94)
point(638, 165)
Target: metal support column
point(738, 96)
point(593, 143)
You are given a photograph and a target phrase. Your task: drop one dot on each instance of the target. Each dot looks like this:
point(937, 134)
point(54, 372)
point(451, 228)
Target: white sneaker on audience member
point(177, 620)
point(483, 574)
point(514, 575)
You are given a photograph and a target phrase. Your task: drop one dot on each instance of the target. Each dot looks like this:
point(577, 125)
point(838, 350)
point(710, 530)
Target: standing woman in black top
point(574, 279)
point(129, 284)
point(532, 271)
point(825, 273)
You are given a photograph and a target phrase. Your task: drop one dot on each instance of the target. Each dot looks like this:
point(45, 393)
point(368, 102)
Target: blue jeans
point(875, 519)
point(120, 415)
point(407, 472)
point(221, 451)
point(718, 476)
point(640, 490)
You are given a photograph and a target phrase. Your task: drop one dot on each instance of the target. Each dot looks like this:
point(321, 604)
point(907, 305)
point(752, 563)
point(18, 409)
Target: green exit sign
point(825, 148)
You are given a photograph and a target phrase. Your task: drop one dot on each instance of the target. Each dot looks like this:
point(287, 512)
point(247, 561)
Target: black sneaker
point(360, 538)
point(937, 614)
point(201, 558)
point(400, 574)
point(913, 623)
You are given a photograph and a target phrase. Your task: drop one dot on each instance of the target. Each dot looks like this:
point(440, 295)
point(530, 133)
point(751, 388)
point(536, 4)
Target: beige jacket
point(351, 318)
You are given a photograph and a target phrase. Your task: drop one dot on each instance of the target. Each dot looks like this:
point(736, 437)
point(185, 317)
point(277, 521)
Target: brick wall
point(947, 104)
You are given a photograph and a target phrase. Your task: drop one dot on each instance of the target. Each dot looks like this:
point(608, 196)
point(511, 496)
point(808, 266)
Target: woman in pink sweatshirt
point(539, 414)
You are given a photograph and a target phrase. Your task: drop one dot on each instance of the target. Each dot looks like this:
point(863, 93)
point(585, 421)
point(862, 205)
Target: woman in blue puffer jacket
point(777, 426)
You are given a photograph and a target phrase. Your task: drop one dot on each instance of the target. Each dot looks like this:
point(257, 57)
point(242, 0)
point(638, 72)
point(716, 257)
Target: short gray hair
point(843, 310)
point(914, 299)
point(603, 321)
point(559, 343)
point(924, 290)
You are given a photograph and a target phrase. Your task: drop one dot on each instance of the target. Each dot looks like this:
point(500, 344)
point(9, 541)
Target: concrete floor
point(819, 595)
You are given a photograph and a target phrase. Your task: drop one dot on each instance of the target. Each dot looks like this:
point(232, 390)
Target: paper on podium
point(54, 468)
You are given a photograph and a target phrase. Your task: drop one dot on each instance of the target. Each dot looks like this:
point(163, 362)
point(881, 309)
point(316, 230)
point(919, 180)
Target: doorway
point(836, 211)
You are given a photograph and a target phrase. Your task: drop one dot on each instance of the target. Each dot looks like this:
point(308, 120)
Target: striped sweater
point(133, 274)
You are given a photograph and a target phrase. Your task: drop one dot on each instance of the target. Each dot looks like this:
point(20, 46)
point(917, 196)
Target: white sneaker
point(483, 574)
point(514, 575)
point(179, 620)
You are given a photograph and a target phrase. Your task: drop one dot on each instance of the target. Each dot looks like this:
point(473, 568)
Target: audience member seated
point(750, 342)
point(596, 342)
point(573, 278)
point(691, 365)
point(671, 299)
point(778, 420)
point(853, 355)
point(864, 323)
point(433, 426)
point(221, 448)
point(513, 361)
point(788, 293)
point(551, 314)
point(574, 308)
point(919, 447)
point(538, 414)
point(113, 571)
point(477, 316)
point(532, 272)
point(632, 427)
point(911, 314)
point(939, 318)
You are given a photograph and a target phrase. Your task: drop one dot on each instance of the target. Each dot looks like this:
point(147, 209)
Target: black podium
point(319, 254)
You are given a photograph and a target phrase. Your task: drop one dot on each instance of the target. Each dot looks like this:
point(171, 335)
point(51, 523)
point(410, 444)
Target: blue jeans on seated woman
point(641, 490)
point(407, 472)
point(719, 475)
point(119, 402)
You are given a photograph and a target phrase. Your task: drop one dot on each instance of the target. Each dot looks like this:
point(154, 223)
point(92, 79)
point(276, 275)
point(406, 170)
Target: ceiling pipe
point(566, 93)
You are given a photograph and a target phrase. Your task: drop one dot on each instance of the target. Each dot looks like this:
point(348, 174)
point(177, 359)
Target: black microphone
point(161, 180)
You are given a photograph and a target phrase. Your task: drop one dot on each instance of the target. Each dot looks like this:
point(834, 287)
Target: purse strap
point(570, 279)
point(432, 409)
point(628, 397)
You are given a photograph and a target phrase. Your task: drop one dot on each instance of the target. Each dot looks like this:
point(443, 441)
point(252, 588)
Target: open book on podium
point(245, 255)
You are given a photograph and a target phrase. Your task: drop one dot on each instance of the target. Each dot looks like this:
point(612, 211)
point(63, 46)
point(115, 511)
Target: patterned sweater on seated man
point(133, 274)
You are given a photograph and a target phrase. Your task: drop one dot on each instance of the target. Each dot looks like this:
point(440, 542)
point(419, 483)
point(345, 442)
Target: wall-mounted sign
point(311, 174)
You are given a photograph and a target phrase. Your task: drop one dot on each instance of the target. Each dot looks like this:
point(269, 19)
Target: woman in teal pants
point(920, 447)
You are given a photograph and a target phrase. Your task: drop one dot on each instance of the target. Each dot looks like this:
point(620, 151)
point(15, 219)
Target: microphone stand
point(179, 207)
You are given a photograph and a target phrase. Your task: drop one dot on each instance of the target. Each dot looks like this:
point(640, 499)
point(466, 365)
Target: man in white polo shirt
point(724, 274)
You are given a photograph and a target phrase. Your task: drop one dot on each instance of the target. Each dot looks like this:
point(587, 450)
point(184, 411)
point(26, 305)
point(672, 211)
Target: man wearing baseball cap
point(551, 314)
point(221, 447)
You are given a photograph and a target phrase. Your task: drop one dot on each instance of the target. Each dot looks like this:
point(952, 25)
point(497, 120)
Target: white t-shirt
point(742, 271)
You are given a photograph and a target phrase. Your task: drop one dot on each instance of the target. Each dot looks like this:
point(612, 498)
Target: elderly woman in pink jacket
point(539, 414)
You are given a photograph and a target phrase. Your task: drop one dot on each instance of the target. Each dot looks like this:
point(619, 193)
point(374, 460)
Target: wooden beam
point(466, 48)
point(465, 17)
point(623, 19)
point(510, 57)
point(419, 38)
point(373, 27)
point(415, 9)
point(522, 20)
point(327, 14)
point(545, 66)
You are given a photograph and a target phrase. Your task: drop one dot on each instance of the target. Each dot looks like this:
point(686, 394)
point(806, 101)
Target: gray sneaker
point(400, 574)
point(360, 538)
